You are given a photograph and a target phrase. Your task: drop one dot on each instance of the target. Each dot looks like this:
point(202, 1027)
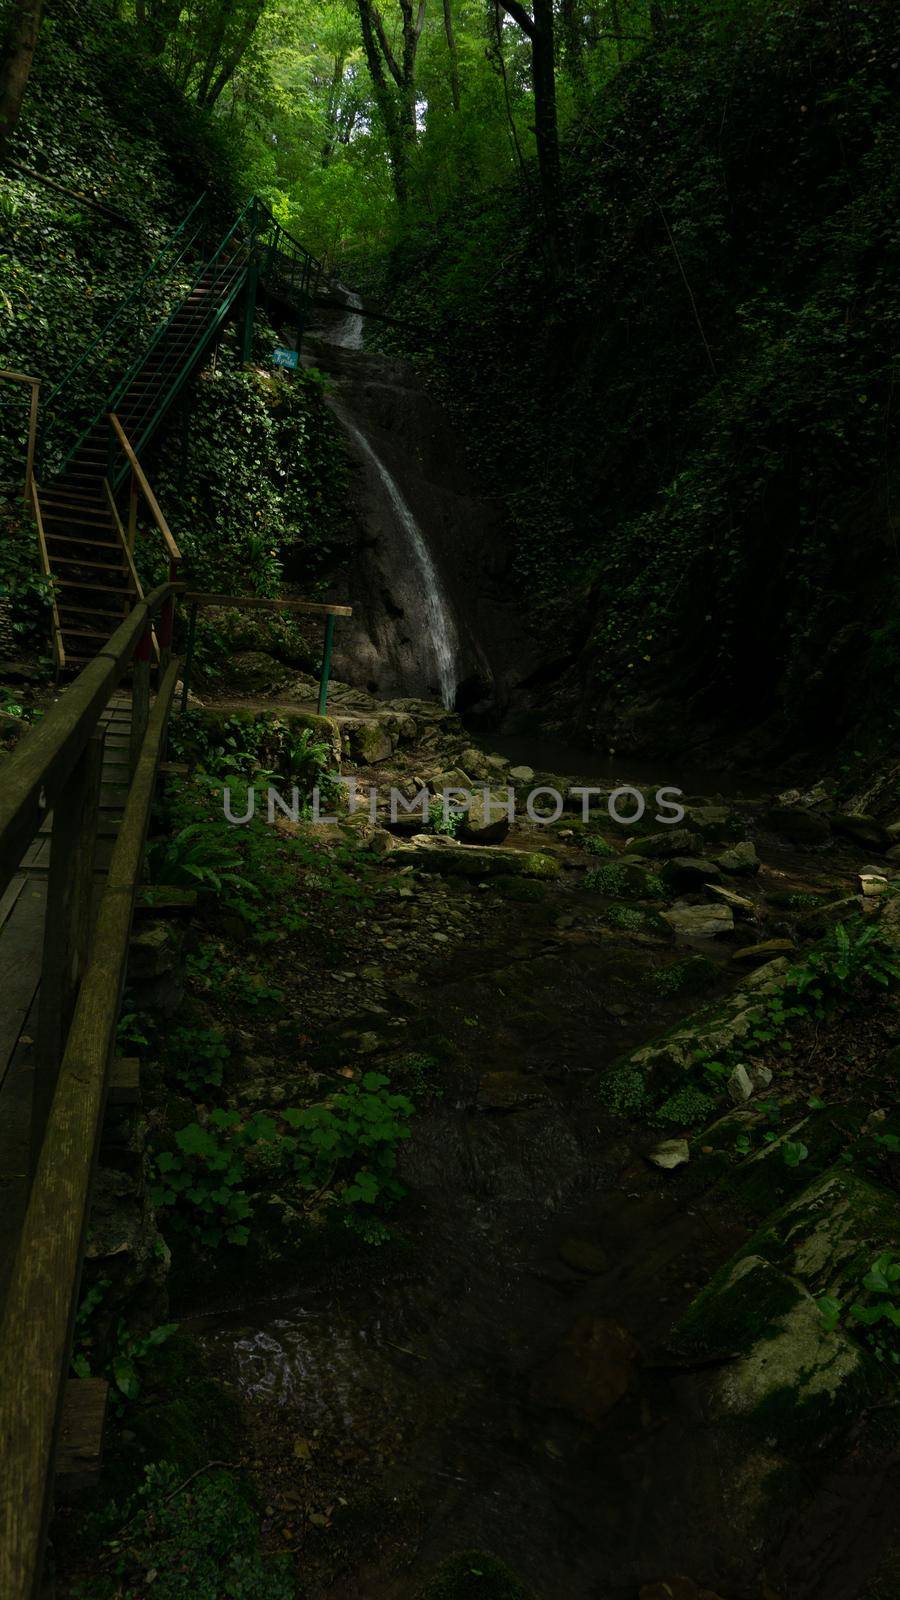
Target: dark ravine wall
point(386, 648)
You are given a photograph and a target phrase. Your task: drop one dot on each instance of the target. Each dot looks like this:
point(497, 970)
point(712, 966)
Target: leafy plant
point(197, 1057)
point(175, 1539)
point(444, 819)
point(200, 1184)
point(877, 1314)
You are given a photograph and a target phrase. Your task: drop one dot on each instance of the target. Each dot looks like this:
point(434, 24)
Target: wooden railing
point(57, 767)
point(138, 485)
point(252, 602)
point(35, 383)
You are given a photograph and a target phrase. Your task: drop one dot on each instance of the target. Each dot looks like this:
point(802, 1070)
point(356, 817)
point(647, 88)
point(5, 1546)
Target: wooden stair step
point(124, 1086)
point(79, 1449)
point(87, 544)
point(95, 588)
point(82, 633)
point(101, 566)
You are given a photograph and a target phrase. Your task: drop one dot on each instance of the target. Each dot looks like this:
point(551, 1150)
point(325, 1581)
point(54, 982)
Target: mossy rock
point(691, 975)
point(829, 1235)
point(518, 888)
point(798, 1383)
point(474, 1575)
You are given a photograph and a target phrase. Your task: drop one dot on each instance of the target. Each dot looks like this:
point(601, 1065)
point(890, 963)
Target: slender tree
point(394, 82)
point(454, 54)
point(538, 25)
point(16, 57)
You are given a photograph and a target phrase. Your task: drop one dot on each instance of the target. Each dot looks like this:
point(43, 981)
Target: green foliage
point(263, 490)
point(727, 327)
point(342, 1151)
point(196, 1057)
point(611, 879)
point(199, 1184)
point(875, 1316)
point(23, 587)
point(688, 1107)
point(444, 819)
point(623, 1091)
point(177, 1540)
point(628, 918)
point(688, 976)
point(117, 1353)
point(854, 958)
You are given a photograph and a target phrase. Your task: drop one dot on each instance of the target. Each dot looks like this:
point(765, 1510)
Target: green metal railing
point(86, 383)
point(256, 248)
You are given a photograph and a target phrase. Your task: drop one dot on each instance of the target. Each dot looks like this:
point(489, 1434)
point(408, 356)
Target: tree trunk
point(384, 99)
point(454, 54)
point(212, 54)
point(574, 45)
point(539, 28)
point(16, 59)
point(234, 58)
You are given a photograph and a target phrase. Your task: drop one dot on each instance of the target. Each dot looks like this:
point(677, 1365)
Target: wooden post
point(32, 436)
point(132, 513)
point(249, 309)
point(189, 656)
point(67, 925)
point(165, 626)
point(140, 696)
point(326, 664)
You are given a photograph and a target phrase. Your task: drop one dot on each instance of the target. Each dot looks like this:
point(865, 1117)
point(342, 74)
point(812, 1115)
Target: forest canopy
point(356, 119)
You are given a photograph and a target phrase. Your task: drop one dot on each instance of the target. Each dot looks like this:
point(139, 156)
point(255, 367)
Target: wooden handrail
point(59, 648)
point(24, 377)
point(38, 1317)
point(36, 771)
point(250, 601)
point(172, 549)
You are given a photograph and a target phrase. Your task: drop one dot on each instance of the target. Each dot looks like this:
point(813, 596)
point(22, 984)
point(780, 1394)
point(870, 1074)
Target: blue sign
point(285, 358)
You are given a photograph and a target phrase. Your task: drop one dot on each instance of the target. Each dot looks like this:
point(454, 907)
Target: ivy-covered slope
point(263, 472)
point(696, 434)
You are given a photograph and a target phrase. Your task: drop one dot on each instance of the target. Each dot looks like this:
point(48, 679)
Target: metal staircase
point(160, 333)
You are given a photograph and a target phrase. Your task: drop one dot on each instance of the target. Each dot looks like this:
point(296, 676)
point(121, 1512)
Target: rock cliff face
point(427, 582)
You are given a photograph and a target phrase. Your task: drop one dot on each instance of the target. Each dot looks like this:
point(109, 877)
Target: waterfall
point(349, 331)
point(438, 614)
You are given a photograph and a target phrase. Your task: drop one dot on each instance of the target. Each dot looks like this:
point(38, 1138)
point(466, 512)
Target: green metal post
point(189, 656)
point(249, 309)
point(326, 665)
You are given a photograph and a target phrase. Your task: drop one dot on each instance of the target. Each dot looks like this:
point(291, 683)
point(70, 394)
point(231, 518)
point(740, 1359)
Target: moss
point(741, 1305)
point(476, 1574)
point(518, 889)
point(687, 1107)
point(831, 1233)
point(623, 1091)
point(536, 865)
point(690, 976)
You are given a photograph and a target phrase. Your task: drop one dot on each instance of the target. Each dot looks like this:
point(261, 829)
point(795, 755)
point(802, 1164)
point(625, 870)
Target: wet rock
point(829, 1235)
point(746, 1081)
point(740, 860)
point(670, 1153)
point(699, 922)
point(684, 873)
point(872, 884)
point(476, 762)
point(590, 1371)
point(368, 742)
point(255, 672)
point(863, 830)
point(739, 903)
point(520, 775)
point(711, 1032)
point(382, 842)
point(754, 954)
point(665, 846)
point(453, 778)
point(582, 1255)
point(486, 821)
point(442, 855)
point(799, 825)
point(509, 1091)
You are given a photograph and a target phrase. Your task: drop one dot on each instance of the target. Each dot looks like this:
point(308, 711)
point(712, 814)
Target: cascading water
point(438, 614)
point(349, 331)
